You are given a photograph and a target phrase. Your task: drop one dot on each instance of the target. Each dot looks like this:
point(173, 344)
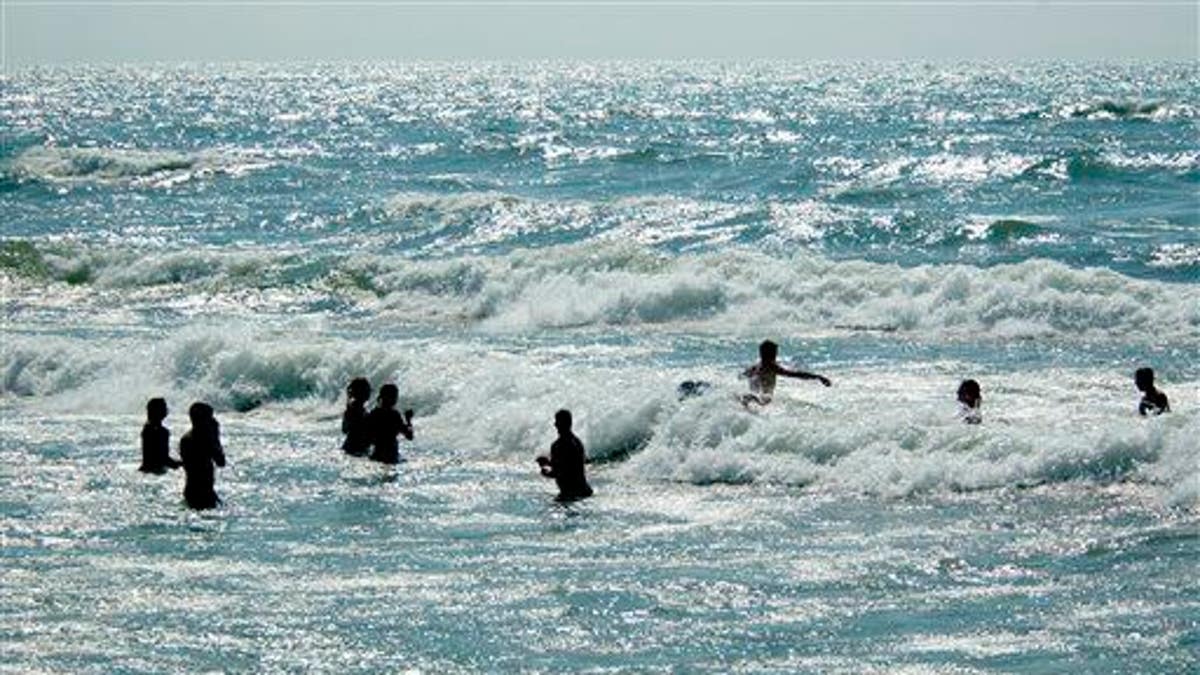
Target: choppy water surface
point(506, 240)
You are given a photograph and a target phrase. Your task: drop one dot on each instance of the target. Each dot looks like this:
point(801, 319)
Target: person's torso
point(762, 379)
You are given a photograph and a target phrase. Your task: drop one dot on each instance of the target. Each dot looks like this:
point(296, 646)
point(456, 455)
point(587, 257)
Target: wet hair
point(562, 419)
point(768, 350)
point(200, 412)
point(969, 389)
point(1143, 377)
point(389, 392)
point(359, 389)
point(156, 408)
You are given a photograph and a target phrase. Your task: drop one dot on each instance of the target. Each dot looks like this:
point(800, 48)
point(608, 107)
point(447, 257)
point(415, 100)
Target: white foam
point(151, 168)
point(889, 430)
point(622, 283)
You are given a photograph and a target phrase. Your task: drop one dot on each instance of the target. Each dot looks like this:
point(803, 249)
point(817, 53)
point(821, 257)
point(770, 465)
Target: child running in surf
point(762, 375)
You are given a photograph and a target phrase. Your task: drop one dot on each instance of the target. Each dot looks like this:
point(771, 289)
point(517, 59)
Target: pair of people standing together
point(377, 432)
point(200, 451)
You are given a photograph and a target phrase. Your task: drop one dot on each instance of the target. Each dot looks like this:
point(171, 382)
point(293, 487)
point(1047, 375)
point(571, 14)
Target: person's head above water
point(969, 393)
point(388, 395)
point(200, 413)
point(562, 421)
point(156, 409)
point(359, 389)
point(1143, 379)
point(768, 351)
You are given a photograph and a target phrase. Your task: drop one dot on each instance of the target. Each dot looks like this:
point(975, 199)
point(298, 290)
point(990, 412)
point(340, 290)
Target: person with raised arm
point(762, 375)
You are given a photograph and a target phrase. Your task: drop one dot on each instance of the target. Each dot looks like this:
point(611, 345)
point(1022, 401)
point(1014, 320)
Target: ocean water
point(503, 240)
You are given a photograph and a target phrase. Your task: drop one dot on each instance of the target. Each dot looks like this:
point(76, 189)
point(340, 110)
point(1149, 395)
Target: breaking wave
point(623, 284)
point(143, 168)
point(889, 431)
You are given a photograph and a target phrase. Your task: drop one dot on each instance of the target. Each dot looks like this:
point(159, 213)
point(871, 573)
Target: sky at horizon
point(120, 31)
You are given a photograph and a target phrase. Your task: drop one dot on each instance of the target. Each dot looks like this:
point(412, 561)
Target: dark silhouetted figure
point(970, 402)
point(762, 375)
point(386, 424)
point(1154, 402)
point(354, 420)
point(200, 449)
point(565, 463)
point(691, 388)
point(156, 439)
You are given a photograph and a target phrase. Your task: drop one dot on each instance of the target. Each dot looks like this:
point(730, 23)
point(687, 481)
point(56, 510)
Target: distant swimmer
point(565, 463)
point(762, 375)
point(1154, 401)
point(386, 424)
point(691, 388)
point(354, 420)
point(156, 439)
point(970, 402)
point(200, 449)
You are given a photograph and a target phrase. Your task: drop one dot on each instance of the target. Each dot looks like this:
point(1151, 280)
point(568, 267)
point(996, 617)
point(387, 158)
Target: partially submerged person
point(156, 439)
point(762, 375)
point(565, 463)
point(1154, 401)
point(200, 449)
point(691, 388)
point(970, 402)
point(354, 420)
point(386, 424)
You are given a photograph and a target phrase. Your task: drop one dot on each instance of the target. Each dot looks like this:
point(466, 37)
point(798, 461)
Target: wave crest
point(145, 168)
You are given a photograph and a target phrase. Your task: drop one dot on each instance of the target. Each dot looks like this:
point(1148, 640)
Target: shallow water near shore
point(447, 563)
point(506, 240)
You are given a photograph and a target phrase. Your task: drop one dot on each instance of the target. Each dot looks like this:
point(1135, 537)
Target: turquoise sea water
point(505, 240)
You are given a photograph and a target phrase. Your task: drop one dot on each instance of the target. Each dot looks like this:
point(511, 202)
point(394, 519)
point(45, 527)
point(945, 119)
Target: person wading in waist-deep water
point(1154, 401)
point(762, 375)
point(354, 420)
point(200, 449)
point(565, 463)
point(156, 439)
point(387, 424)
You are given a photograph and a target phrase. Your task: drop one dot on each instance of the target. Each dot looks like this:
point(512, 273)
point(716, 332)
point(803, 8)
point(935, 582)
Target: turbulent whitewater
point(503, 240)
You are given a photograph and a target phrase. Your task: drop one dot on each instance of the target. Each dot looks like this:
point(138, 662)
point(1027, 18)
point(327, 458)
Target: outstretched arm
point(802, 375)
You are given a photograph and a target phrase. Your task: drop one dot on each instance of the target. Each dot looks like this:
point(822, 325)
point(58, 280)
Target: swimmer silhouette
point(200, 449)
point(354, 420)
point(386, 424)
point(565, 463)
point(691, 388)
point(970, 402)
point(156, 439)
point(1154, 401)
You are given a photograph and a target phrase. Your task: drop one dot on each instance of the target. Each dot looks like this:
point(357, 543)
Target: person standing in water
point(762, 375)
point(156, 439)
point(1154, 401)
point(386, 424)
point(354, 420)
point(565, 463)
point(970, 402)
point(200, 449)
